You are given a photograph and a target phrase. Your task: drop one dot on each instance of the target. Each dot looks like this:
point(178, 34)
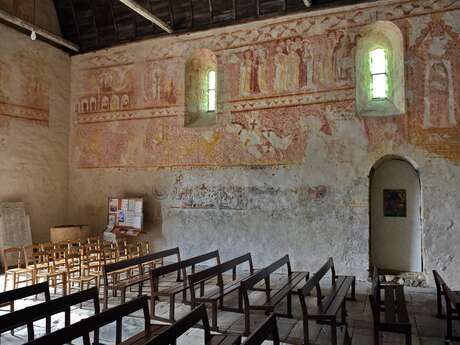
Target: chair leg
point(376, 335)
point(214, 316)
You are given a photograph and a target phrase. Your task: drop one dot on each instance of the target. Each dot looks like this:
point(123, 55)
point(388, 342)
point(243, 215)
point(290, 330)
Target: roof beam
point(39, 31)
point(147, 15)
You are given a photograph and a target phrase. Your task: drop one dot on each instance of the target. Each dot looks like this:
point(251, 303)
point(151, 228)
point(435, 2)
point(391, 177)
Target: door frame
point(373, 168)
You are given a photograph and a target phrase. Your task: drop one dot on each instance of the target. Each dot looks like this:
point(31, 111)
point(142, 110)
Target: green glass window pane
point(379, 86)
point(378, 61)
point(212, 100)
point(212, 80)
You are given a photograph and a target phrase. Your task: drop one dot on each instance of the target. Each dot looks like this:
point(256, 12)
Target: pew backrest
point(181, 326)
point(220, 269)
point(26, 291)
point(45, 310)
point(268, 330)
point(137, 261)
point(93, 323)
point(265, 272)
point(183, 265)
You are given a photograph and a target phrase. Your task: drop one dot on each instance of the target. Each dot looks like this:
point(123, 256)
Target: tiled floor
point(427, 330)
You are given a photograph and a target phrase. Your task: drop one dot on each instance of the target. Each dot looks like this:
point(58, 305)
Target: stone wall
point(34, 128)
point(285, 169)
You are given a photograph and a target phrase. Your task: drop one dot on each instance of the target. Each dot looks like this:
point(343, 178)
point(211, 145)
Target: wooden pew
point(8, 297)
point(438, 280)
point(268, 330)
point(395, 317)
point(217, 295)
point(172, 333)
point(181, 286)
point(327, 306)
point(45, 310)
point(137, 262)
point(91, 324)
point(287, 286)
point(452, 299)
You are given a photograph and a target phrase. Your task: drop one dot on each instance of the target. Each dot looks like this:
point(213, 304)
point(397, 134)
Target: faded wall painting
point(24, 84)
point(435, 115)
point(274, 81)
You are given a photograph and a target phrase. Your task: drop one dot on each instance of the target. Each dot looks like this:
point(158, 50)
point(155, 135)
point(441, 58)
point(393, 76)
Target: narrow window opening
point(379, 74)
point(211, 91)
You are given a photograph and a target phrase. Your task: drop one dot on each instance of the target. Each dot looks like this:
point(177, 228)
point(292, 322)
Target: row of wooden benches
point(390, 313)
point(326, 310)
point(154, 334)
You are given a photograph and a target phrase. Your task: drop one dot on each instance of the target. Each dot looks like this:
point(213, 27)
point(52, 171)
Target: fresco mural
point(25, 73)
point(435, 115)
point(271, 78)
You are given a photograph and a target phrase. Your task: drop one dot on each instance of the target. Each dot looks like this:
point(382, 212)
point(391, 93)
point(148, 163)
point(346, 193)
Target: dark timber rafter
point(136, 7)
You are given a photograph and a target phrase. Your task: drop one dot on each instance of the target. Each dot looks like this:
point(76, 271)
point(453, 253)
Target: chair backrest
point(73, 263)
point(266, 330)
point(26, 291)
point(32, 253)
point(12, 258)
point(84, 327)
point(181, 326)
point(28, 315)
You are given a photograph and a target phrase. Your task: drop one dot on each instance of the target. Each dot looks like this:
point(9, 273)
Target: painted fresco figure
point(307, 64)
point(293, 67)
point(246, 73)
point(155, 83)
point(262, 70)
point(441, 101)
point(342, 60)
point(281, 61)
point(439, 86)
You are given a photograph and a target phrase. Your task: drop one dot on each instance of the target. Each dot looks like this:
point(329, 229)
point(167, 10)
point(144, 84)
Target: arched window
point(379, 73)
point(211, 91)
point(380, 79)
point(201, 89)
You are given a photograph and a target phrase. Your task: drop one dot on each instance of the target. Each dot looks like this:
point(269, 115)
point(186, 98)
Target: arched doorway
point(395, 216)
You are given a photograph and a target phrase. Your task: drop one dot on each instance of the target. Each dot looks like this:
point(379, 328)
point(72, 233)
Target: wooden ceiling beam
point(114, 21)
point(171, 13)
point(75, 19)
point(235, 11)
point(136, 7)
point(211, 11)
point(39, 31)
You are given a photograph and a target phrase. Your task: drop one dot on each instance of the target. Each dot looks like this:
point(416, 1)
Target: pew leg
point(289, 305)
point(333, 332)
point(214, 317)
point(408, 338)
point(106, 296)
point(353, 290)
point(123, 296)
point(171, 308)
point(439, 304)
point(247, 322)
point(306, 335)
point(376, 335)
point(449, 323)
point(240, 301)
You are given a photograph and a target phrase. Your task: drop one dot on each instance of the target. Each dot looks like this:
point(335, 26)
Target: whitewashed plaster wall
point(34, 128)
point(312, 208)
